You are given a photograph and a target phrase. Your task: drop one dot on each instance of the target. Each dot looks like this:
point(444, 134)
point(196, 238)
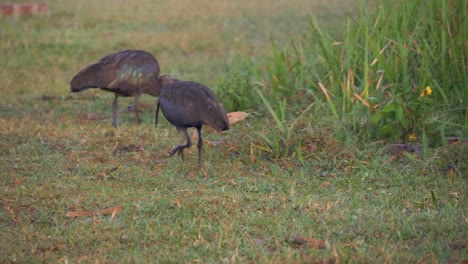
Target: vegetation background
point(312, 175)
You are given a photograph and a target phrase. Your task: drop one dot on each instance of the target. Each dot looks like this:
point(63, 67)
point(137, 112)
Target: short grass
point(59, 153)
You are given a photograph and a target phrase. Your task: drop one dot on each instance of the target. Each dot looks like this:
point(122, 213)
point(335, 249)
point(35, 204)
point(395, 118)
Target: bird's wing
point(134, 69)
point(120, 72)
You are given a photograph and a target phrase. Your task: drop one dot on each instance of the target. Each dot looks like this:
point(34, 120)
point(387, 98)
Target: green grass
point(292, 171)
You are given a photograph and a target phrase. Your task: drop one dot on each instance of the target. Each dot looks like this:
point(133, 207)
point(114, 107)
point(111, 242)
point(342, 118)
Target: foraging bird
point(125, 73)
point(189, 104)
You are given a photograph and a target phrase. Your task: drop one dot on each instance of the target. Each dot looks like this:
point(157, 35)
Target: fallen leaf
point(310, 242)
point(204, 171)
point(80, 213)
point(232, 182)
point(178, 202)
point(57, 247)
point(191, 174)
point(399, 149)
point(47, 97)
point(235, 117)
point(454, 195)
point(378, 142)
point(112, 211)
point(453, 141)
point(92, 117)
point(128, 148)
point(459, 244)
point(101, 175)
point(309, 148)
point(325, 184)
point(392, 158)
point(215, 143)
point(449, 170)
point(316, 243)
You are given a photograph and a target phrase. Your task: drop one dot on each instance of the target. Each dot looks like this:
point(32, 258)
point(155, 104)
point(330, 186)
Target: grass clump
point(398, 71)
point(405, 63)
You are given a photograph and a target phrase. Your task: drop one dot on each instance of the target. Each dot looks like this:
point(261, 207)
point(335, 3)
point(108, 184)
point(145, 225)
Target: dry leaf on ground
point(235, 117)
point(325, 184)
point(224, 179)
point(112, 211)
point(398, 149)
point(310, 242)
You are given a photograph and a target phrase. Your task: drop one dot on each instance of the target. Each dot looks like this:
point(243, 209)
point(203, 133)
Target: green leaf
point(377, 117)
point(390, 107)
point(399, 113)
point(387, 129)
point(425, 142)
point(404, 122)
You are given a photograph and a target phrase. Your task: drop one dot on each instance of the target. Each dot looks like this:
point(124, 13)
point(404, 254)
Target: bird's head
point(165, 80)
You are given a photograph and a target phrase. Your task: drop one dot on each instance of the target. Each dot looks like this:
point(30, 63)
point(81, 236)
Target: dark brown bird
point(125, 73)
point(189, 104)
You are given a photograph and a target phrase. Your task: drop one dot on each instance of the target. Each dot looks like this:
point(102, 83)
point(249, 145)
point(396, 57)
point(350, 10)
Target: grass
point(293, 183)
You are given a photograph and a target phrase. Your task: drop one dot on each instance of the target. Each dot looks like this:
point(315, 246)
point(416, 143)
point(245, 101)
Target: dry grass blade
point(380, 53)
point(324, 90)
point(364, 101)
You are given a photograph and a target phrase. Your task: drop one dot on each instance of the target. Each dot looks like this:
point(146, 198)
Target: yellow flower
point(427, 91)
point(412, 137)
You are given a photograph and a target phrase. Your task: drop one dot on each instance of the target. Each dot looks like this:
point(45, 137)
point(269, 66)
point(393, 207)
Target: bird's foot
point(179, 150)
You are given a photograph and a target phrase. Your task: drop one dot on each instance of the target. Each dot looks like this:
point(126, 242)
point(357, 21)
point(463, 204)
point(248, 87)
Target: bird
point(188, 104)
point(125, 73)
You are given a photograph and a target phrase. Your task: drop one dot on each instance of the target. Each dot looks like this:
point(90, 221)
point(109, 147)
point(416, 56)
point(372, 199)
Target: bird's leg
point(180, 148)
point(137, 110)
point(114, 111)
point(200, 146)
point(157, 112)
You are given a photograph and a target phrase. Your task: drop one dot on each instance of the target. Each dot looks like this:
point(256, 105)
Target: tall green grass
point(399, 69)
point(391, 54)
